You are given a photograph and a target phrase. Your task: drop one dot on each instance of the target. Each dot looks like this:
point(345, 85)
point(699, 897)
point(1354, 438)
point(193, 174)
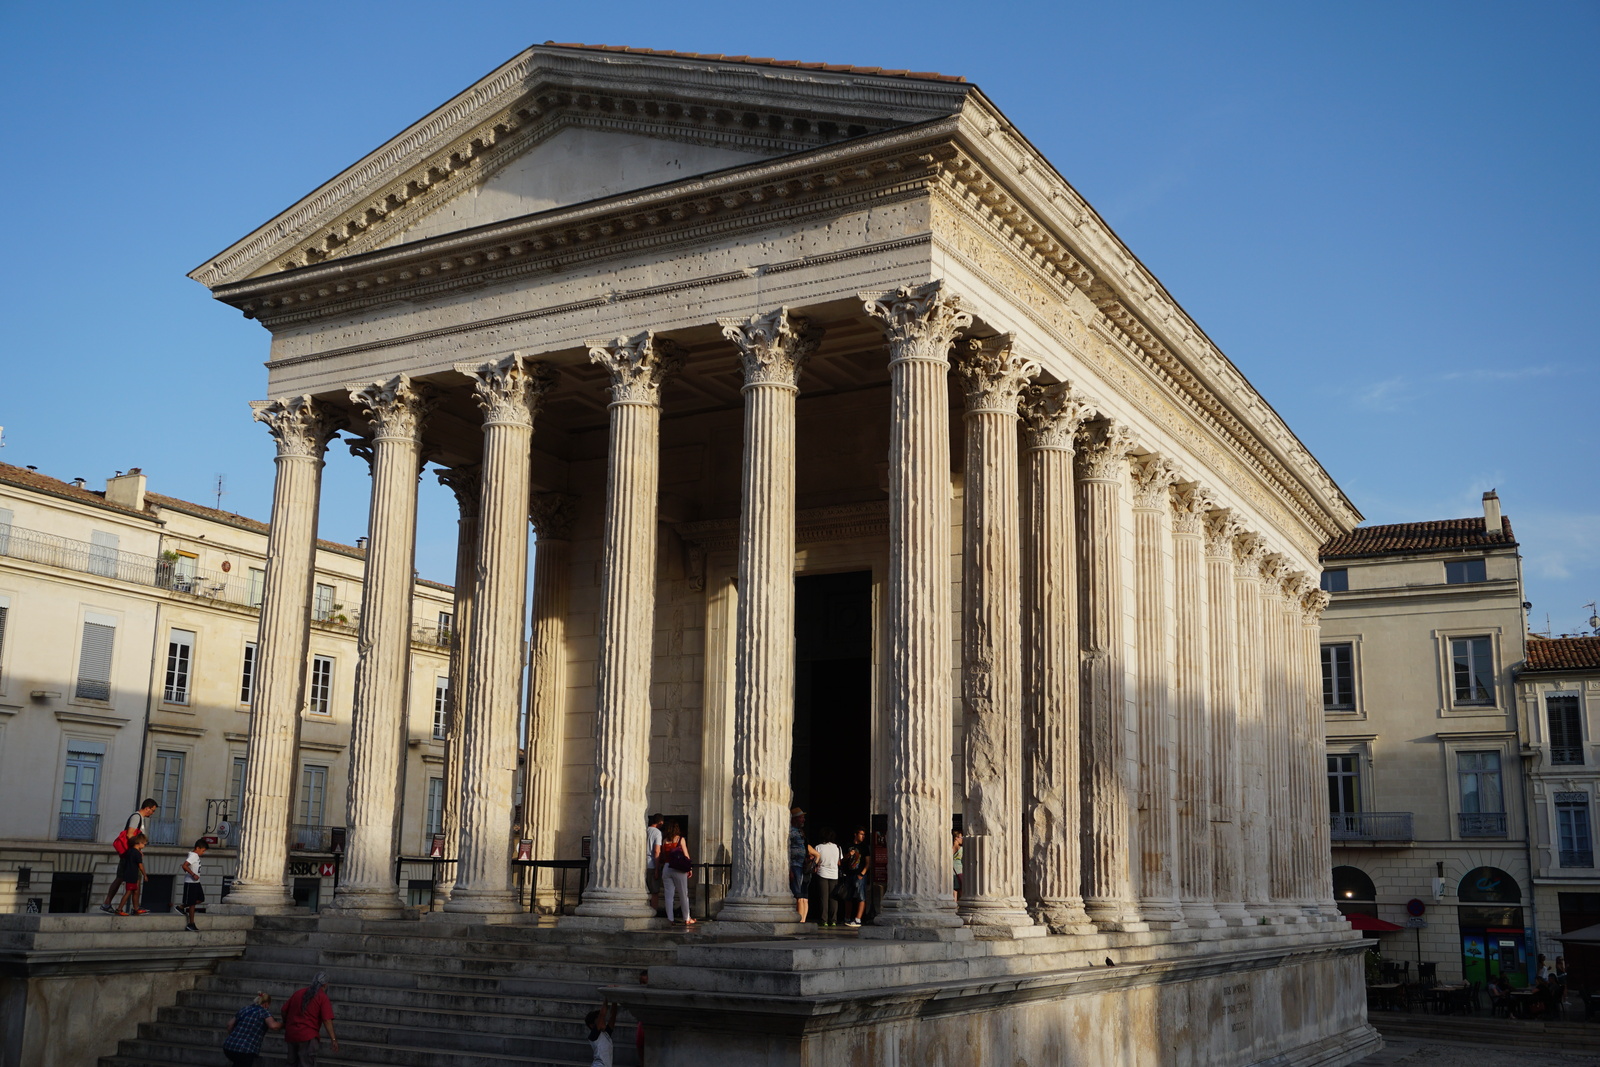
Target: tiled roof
point(835, 68)
point(23, 478)
point(243, 522)
point(1563, 654)
point(1441, 535)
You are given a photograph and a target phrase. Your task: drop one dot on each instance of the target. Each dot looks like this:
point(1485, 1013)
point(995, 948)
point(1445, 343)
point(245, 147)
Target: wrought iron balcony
point(1371, 826)
point(306, 838)
point(164, 831)
point(77, 827)
point(1482, 823)
point(1577, 857)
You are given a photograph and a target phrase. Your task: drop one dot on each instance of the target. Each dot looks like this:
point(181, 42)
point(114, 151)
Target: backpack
point(120, 842)
point(677, 860)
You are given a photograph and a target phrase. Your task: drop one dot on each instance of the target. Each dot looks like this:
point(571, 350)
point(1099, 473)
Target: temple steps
point(414, 994)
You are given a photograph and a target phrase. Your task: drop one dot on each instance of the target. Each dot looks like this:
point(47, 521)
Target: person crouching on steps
point(130, 874)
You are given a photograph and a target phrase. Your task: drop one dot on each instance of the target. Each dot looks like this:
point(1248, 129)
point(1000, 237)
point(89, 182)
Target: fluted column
point(1153, 477)
point(772, 348)
point(551, 516)
point(991, 640)
point(1275, 693)
point(919, 323)
point(1227, 785)
point(1108, 777)
point(1052, 804)
point(509, 391)
point(637, 366)
point(463, 481)
point(1255, 825)
point(379, 729)
point(301, 427)
point(1319, 861)
point(1298, 836)
point(1196, 880)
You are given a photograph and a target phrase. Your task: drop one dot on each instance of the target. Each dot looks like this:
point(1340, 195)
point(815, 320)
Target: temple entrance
point(831, 766)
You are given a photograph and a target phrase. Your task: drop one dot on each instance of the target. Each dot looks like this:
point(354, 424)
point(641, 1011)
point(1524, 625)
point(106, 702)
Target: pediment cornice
point(765, 109)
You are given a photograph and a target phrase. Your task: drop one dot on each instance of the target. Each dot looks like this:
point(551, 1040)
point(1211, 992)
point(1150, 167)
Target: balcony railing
point(1371, 826)
point(164, 831)
point(1567, 755)
point(1571, 857)
point(306, 838)
point(1482, 823)
point(77, 827)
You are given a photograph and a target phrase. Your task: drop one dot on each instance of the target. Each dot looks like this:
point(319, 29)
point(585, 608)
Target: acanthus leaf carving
point(993, 374)
point(395, 408)
point(509, 390)
point(1314, 603)
point(1051, 414)
point(551, 515)
point(918, 321)
point(300, 425)
point(772, 347)
point(1190, 506)
point(1153, 478)
point(466, 482)
point(1222, 530)
point(1103, 448)
point(638, 365)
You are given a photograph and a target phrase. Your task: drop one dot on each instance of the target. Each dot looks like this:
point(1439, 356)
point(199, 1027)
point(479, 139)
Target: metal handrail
point(532, 867)
point(77, 827)
point(1482, 823)
point(1572, 857)
point(1371, 826)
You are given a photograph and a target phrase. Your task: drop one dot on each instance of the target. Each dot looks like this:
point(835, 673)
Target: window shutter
point(4, 611)
point(94, 662)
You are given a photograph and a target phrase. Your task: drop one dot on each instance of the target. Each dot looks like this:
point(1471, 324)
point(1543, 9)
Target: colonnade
point(1128, 765)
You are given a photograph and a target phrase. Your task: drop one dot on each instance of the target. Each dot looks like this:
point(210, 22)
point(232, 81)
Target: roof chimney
point(127, 490)
point(1491, 514)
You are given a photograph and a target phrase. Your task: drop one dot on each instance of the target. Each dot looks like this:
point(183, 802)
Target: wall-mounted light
point(24, 877)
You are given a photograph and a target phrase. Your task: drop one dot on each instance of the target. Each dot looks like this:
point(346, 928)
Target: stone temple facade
point(869, 470)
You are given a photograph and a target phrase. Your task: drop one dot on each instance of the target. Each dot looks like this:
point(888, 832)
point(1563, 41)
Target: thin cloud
point(1494, 375)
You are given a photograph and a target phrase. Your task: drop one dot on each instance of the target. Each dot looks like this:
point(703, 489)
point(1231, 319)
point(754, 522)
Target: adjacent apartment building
point(1421, 648)
point(128, 623)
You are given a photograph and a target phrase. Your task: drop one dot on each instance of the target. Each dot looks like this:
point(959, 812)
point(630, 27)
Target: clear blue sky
point(1384, 213)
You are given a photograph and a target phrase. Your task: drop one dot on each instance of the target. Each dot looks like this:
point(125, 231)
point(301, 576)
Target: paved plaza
point(1425, 1053)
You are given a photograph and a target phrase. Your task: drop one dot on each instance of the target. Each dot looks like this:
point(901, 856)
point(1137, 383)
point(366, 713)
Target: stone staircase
point(414, 994)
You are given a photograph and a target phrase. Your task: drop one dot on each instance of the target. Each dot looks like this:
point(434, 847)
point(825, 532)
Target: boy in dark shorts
point(130, 875)
point(193, 893)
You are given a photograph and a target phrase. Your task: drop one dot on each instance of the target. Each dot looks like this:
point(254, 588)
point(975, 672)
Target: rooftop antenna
point(221, 481)
point(2, 437)
point(1594, 619)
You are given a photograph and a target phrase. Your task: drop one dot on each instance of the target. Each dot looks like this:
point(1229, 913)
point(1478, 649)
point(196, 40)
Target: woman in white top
point(828, 876)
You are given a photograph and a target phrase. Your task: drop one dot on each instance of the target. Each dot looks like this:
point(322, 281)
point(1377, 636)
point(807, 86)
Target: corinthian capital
point(1249, 552)
point(1051, 415)
point(1190, 504)
point(1222, 529)
point(465, 482)
point(1275, 573)
point(1313, 604)
point(772, 347)
point(1103, 450)
point(1153, 478)
point(300, 425)
point(994, 375)
point(395, 408)
point(918, 321)
point(509, 390)
point(637, 365)
point(1297, 585)
point(551, 515)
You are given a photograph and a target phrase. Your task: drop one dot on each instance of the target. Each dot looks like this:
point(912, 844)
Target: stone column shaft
point(1255, 824)
point(1279, 759)
point(379, 729)
point(1196, 878)
point(464, 482)
point(920, 323)
point(991, 639)
point(301, 427)
point(551, 515)
point(772, 348)
point(616, 890)
point(1319, 861)
point(509, 391)
point(1108, 777)
point(1158, 895)
point(1053, 809)
point(1222, 646)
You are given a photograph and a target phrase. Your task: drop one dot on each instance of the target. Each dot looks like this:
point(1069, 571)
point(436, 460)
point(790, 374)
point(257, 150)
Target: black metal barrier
point(708, 875)
point(434, 864)
point(528, 877)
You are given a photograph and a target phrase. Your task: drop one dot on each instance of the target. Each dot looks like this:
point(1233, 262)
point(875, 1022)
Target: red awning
point(1371, 922)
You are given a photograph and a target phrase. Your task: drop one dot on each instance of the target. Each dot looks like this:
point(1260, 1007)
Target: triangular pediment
point(561, 125)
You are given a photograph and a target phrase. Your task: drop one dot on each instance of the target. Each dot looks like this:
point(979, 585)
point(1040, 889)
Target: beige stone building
point(1420, 647)
point(1558, 690)
point(869, 470)
point(128, 638)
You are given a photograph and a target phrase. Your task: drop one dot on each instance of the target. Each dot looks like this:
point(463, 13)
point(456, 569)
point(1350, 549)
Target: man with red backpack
point(134, 825)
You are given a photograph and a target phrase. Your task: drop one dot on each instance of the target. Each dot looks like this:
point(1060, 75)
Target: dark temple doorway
point(831, 768)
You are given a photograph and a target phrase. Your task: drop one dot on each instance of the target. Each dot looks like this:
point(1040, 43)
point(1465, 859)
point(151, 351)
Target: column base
point(486, 902)
point(759, 910)
point(1117, 916)
point(261, 899)
point(991, 919)
point(916, 919)
point(616, 904)
point(365, 902)
point(1161, 913)
point(1202, 916)
point(1064, 917)
point(1235, 914)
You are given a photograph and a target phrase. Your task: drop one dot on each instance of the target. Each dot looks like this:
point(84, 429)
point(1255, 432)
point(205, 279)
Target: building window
point(320, 693)
point(1338, 677)
point(247, 674)
point(1566, 728)
point(5, 531)
point(1336, 580)
point(322, 603)
point(94, 658)
point(236, 801)
point(1572, 829)
point(5, 610)
point(313, 794)
point(256, 587)
point(1465, 571)
point(166, 786)
point(80, 791)
point(180, 665)
point(447, 623)
point(103, 553)
point(435, 811)
point(1472, 667)
point(1344, 784)
point(441, 707)
point(1483, 807)
point(183, 571)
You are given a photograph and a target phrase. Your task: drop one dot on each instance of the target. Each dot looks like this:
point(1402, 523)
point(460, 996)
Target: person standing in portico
point(802, 861)
point(652, 846)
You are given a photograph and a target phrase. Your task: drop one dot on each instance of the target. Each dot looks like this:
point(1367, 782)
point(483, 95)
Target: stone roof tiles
point(26, 478)
point(1439, 535)
point(832, 68)
point(1562, 654)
